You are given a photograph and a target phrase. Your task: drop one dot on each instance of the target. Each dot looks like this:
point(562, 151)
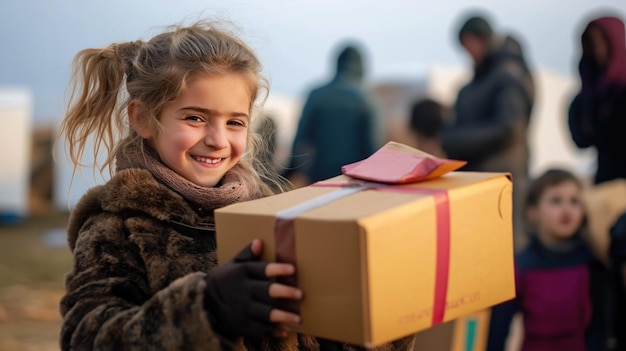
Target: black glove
point(237, 297)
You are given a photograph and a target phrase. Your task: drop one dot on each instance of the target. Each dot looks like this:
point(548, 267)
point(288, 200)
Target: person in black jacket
point(618, 269)
point(597, 115)
point(492, 112)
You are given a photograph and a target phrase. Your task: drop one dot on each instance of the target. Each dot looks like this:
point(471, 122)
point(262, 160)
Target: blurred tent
point(16, 110)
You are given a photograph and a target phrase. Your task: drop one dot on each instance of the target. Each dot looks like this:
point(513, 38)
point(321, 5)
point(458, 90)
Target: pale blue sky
point(294, 39)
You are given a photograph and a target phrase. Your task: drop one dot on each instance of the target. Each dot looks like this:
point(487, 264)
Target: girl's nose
point(216, 137)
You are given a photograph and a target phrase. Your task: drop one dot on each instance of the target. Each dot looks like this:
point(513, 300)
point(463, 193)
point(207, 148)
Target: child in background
point(173, 114)
point(427, 123)
point(552, 274)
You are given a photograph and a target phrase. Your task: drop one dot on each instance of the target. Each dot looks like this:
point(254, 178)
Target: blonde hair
point(154, 73)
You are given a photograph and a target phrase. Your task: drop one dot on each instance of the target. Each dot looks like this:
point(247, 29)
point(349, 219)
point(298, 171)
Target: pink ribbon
point(284, 233)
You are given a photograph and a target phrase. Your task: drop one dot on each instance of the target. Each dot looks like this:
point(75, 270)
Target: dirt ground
point(31, 283)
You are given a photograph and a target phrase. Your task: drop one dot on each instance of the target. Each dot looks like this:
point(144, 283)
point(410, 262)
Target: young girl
point(144, 274)
point(552, 273)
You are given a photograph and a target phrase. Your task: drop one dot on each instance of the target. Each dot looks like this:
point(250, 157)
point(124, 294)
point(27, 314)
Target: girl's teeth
point(209, 160)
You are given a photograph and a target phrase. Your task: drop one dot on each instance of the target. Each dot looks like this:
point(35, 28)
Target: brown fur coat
point(137, 283)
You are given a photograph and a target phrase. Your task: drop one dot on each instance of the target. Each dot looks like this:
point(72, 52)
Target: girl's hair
point(156, 72)
point(550, 178)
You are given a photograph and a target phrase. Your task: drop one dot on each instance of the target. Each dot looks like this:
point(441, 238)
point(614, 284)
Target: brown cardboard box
point(380, 264)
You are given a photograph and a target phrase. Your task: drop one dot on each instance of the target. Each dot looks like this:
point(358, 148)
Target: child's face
point(205, 130)
point(559, 213)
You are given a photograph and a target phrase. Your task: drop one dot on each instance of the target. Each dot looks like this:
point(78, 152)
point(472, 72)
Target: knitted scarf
point(238, 184)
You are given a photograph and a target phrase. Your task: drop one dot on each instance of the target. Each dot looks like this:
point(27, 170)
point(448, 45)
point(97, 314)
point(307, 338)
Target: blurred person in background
point(492, 112)
point(618, 269)
point(597, 115)
point(337, 125)
point(427, 123)
point(552, 273)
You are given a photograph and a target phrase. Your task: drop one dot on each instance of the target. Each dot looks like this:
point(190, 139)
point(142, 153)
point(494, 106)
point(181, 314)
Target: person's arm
point(479, 141)
point(109, 304)
point(580, 121)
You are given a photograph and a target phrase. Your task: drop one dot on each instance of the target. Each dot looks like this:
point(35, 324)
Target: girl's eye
point(236, 123)
point(193, 118)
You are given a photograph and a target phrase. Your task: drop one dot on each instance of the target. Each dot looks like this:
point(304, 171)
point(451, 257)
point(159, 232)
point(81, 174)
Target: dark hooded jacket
point(492, 112)
point(553, 296)
point(597, 115)
point(337, 123)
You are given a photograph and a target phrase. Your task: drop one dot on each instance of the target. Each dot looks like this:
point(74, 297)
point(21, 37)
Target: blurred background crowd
point(519, 87)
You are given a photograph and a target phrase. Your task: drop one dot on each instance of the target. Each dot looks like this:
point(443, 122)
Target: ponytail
point(94, 106)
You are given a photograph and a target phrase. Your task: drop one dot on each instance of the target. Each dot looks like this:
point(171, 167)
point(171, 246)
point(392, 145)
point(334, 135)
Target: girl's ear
point(136, 116)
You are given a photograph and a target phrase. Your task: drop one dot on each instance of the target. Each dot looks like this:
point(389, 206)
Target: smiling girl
point(173, 115)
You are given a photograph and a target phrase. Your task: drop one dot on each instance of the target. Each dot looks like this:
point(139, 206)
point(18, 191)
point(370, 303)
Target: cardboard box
point(379, 264)
point(467, 333)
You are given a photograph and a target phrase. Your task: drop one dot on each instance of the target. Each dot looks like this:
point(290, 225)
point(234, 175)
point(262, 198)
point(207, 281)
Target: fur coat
point(137, 281)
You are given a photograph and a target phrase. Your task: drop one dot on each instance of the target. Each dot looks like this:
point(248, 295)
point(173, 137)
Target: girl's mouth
point(208, 160)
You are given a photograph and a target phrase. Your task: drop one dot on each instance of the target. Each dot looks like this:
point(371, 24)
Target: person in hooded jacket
point(337, 125)
point(597, 115)
point(492, 112)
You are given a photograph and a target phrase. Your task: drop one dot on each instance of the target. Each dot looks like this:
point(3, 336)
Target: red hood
point(615, 33)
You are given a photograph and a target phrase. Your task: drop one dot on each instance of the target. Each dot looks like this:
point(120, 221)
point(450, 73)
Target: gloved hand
point(241, 297)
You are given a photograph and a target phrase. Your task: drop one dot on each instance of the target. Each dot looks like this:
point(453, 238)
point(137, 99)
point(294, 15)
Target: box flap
point(396, 163)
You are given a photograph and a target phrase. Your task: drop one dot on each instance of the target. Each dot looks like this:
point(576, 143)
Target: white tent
point(16, 109)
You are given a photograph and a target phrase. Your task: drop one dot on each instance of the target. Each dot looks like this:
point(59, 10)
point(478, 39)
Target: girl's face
point(559, 212)
point(204, 131)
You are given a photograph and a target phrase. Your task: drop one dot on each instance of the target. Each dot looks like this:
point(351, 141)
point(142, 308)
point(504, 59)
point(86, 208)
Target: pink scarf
point(237, 185)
